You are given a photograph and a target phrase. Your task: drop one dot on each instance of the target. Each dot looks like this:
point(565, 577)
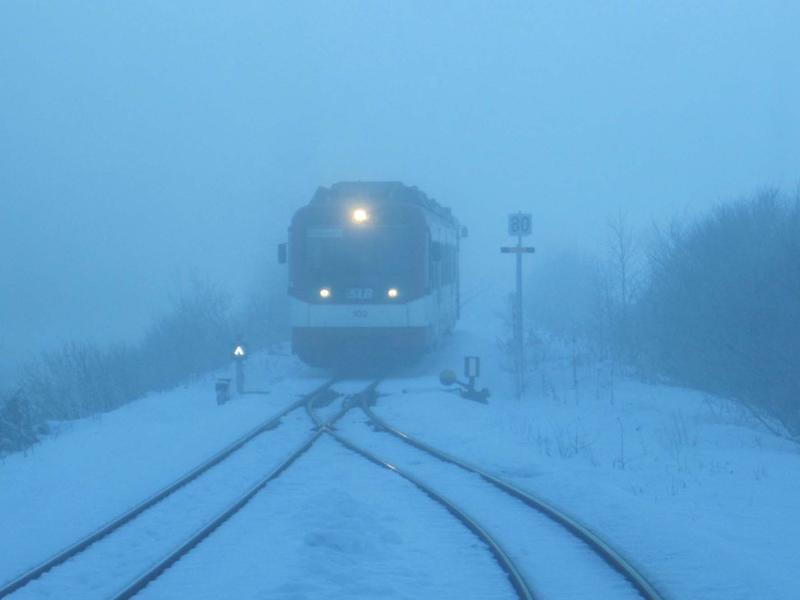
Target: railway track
point(332, 425)
point(320, 428)
point(637, 583)
point(516, 580)
point(116, 526)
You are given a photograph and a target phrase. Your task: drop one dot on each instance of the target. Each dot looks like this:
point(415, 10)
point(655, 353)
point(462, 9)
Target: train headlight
point(324, 293)
point(392, 293)
point(360, 215)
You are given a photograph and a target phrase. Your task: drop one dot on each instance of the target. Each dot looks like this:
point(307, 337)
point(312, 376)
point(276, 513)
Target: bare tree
point(624, 278)
point(625, 259)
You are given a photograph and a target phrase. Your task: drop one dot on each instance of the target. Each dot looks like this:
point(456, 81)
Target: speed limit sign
point(519, 224)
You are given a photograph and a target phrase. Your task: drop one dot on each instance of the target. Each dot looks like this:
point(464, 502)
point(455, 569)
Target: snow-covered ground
point(336, 526)
point(554, 563)
point(688, 486)
point(94, 469)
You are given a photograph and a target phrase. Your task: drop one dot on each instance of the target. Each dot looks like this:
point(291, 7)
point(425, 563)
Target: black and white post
point(519, 225)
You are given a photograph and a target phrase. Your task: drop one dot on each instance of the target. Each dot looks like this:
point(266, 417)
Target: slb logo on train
point(359, 293)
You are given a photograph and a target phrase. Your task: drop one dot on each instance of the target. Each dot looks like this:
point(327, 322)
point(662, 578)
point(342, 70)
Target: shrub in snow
point(721, 310)
point(715, 306)
point(80, 380)
point(18, 428)
point(193, 338)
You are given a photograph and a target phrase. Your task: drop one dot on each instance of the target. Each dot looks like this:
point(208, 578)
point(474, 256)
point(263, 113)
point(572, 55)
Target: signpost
point(223, 385)
point(239, 356)
point(519, 226)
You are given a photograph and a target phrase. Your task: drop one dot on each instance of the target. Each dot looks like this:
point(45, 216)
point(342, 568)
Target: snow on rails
point(517, 560)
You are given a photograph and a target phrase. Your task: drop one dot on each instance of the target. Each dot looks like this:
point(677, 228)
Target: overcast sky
point(145, 142)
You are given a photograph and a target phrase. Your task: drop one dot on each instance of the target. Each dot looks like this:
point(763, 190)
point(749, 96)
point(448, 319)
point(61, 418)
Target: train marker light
point(392, 293)
point(324, 293)
point(360, 215)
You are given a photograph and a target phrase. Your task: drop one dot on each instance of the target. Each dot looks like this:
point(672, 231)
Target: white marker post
point(239, 356)
point(519, 225)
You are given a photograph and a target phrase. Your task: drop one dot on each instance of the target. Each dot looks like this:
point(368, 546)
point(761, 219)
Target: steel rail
point(611, 556)
point(128, 516)
point(517, 581)
point(351, 399)
point(321, 428)
point(515, 577)
point(158, 569)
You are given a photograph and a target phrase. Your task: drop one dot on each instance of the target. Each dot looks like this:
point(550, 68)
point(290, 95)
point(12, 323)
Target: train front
point(357, 282)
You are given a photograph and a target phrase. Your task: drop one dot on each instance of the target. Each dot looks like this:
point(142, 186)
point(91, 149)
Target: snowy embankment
point(93, 469)
point(687, 486)
point(690, 487)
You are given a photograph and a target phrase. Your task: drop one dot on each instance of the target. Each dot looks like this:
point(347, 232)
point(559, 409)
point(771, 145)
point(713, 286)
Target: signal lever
point(472, 370)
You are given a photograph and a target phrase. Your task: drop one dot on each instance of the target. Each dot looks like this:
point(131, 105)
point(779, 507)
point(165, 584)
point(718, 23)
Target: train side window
point(444, 265)
point(443, 269)
point(436, 251)
point(435, 264)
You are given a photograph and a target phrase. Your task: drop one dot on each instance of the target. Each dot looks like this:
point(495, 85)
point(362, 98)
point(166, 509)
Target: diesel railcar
point(373, 274)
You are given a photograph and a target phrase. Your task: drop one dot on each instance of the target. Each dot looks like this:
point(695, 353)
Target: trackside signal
point(519, 225)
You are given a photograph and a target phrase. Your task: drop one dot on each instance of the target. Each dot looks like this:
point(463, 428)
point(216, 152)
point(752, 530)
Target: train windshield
point(361, 260)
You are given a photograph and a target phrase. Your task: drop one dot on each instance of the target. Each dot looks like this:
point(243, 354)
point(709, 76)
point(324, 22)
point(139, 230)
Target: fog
point(142, 144)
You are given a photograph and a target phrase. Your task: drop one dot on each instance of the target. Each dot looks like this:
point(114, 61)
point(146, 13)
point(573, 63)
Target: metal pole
point(239, 376)
point(519, 327)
